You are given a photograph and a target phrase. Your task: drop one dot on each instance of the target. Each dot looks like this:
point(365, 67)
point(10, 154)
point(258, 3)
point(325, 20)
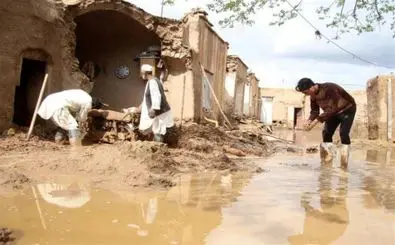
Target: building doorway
point(298, 118)
point(28, 90)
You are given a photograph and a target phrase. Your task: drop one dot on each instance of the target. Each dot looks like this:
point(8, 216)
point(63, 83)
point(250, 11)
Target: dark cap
point(304, 84)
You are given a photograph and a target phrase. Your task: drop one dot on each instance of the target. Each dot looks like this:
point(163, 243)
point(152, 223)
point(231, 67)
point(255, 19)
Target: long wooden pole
point(37, 106)
point(215, 97)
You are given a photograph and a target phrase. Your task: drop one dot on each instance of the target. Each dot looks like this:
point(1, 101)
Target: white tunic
point(74, 100)
point(161, 122)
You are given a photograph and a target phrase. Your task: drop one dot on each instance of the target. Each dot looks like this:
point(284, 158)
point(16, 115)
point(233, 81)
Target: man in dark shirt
point(338, 107)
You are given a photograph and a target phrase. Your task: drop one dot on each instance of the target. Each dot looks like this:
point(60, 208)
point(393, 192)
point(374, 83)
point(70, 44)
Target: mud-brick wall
point(377, 102)
point(234, 90)
point(22, 28)
point(229, 94)
point(254, 97)
point(241, 79)
point(184, 85)
point(179, 89)
point(283, 98)
point(212, 55)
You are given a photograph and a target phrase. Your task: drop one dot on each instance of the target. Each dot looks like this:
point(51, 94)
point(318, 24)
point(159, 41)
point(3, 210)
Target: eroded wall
point(179, 90)
point(112, 39)
point(212, 52)
point(230, 84)
point(377, 103)
point(23, 25)
point(283, 99)
point(255, 96)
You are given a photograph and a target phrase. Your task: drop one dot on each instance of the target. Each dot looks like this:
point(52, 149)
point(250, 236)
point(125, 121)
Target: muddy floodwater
point(294, 201)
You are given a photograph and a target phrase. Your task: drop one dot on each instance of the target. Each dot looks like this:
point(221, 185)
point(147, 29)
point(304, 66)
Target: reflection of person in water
point(325, 225)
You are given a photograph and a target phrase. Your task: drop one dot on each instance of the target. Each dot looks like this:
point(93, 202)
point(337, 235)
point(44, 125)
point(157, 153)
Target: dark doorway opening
point(298, 118)
point(26, 93)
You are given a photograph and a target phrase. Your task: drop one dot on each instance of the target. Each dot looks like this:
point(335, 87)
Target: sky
point(280, 56)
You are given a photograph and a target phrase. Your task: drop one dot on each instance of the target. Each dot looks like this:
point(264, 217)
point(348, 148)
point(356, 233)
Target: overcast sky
point(279, 56)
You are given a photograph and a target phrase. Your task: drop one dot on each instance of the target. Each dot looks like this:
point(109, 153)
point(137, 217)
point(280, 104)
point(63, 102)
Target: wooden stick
point(215, 97)
point(278, 138)
point(37, 106)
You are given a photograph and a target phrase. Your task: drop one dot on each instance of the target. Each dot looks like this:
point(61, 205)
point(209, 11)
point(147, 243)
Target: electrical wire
point(334, 43)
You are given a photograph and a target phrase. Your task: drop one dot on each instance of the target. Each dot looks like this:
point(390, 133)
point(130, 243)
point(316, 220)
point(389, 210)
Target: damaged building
point(98, 45)
point(236, 79)
point(251, 96)
point(380, 93)
point(283, 107)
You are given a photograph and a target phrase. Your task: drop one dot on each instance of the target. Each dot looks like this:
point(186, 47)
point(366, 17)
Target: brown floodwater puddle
point(294, 201)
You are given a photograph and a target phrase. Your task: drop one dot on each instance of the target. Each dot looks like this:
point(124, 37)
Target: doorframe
point(39, 55)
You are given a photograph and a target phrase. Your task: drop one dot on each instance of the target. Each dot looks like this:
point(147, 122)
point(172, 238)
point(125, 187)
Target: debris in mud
point(6, 236)
point(234, 151)
point(312, 149)
point(259, 170)
point(199, 145)
point(160, 181)
point(159, 163)
point(14, 180)
point(296, 165)
point(132, 164)
point(223, 162)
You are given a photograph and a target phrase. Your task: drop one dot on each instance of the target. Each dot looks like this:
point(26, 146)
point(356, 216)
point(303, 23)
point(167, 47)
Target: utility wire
point(334, 43)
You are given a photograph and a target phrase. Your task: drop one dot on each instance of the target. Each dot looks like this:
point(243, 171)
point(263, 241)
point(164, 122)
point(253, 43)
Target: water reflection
point(325, 224)
point(380, 187)
point(73, 214)
point(74, 195)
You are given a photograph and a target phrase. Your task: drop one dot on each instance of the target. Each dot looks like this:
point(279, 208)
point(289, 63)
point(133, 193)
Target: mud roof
point(233, 60)
point(251, 76)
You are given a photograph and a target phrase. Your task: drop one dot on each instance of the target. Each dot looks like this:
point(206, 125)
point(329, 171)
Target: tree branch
point(354, 12)
point(379, 17)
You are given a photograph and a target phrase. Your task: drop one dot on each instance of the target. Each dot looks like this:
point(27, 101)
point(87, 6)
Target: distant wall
point(377, 102)
point(283, 99)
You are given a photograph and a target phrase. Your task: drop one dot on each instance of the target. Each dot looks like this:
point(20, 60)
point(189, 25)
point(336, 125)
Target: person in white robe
point(156, 114)
point(67, 109)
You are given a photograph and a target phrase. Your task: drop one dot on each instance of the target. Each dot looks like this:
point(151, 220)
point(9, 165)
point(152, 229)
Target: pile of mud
point(129, 164)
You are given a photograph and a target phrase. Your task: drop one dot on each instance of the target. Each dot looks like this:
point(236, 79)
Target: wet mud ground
point(293, 201)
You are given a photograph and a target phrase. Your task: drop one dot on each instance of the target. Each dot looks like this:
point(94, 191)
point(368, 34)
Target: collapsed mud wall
point(237, 70)
point(210, 52)
point(31, 30)
point(49, 26)
point(377, 104)
point(183, 83)
point(254, 95)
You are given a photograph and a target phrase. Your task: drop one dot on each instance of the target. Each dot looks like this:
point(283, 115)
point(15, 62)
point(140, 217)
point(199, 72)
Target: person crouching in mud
point(156, 113)
point(68, 109)
point(338, 107)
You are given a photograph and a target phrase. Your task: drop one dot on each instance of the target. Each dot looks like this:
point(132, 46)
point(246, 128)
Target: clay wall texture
point(254, 95)
point(212, 55)
point(236, 79)
point(377, 102)
point(283, 98)
point(25, 33)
